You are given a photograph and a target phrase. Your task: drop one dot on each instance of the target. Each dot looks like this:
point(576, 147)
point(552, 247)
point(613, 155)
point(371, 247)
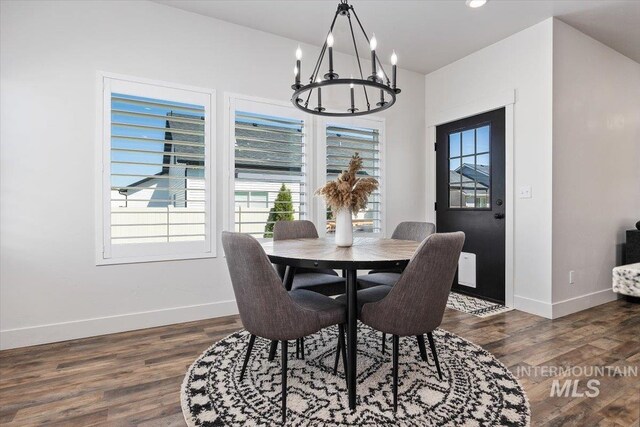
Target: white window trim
point(371, 122)
point(269, 107)
point(161, 251)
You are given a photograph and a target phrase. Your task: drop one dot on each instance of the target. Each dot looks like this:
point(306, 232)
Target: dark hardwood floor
point(134, 378)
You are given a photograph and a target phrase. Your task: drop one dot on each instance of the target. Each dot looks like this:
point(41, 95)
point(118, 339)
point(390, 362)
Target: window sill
point(153, 258)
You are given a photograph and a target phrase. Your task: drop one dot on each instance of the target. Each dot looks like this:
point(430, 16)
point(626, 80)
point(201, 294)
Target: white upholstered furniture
point(626, 280)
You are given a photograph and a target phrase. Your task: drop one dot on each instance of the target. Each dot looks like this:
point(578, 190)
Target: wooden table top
point(366, 252)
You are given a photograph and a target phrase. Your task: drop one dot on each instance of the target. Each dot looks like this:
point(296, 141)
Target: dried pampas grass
point(349, 191)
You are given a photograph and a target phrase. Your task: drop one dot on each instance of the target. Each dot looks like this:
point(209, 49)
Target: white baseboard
point(43, 334)
point(583, 302)
point(566, 307)
point(533, 306)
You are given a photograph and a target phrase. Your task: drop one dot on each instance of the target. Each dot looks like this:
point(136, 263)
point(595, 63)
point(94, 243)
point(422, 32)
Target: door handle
point(498, 215)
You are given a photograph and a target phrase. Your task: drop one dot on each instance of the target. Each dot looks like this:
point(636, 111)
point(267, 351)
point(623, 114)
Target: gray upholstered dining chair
point(267, 309)
point(408, 230)
point(415, 305)
point(324, 281)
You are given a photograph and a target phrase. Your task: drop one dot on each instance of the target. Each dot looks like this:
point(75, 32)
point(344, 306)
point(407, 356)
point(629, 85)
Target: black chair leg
point(338, 351)
point(341, 350)
point(432, 344)
point(396, 344)
point(252, 339)
point(302, 348)
point(423, 348)
point(272, 350)
point(284, 352)
point(298, 348)
point(384, 343)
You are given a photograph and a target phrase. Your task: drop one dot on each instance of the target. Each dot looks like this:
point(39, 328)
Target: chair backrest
point(416, 303)
point(302, 229)
point(412, 230)
point(265, 307)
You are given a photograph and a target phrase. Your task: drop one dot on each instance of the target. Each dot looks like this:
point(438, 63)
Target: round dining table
point(366, 254)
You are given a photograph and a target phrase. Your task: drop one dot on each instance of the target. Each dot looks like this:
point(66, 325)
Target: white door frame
point(504, 99)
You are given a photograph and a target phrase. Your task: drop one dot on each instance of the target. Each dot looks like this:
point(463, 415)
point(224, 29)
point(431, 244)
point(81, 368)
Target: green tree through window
point(282, 210)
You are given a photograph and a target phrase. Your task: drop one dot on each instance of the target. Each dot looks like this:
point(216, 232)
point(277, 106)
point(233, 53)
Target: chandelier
point(379, 92)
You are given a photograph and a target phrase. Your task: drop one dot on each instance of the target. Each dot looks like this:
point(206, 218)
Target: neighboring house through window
point(470, 168)
point(156, 171)
point(269, 165)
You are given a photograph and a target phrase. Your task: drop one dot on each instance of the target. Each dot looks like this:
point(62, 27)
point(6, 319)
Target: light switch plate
point(524, 192)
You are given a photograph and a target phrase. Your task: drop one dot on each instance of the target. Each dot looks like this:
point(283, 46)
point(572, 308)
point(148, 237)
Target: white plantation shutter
point(269, 152)
point(156, 171)
point(342, 142)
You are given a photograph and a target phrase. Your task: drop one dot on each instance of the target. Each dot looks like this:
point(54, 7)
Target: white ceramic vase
point(344, 228)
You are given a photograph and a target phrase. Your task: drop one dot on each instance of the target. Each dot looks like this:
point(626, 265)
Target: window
point(342, 142)
point(269, 171)
point(156, 171)
point(470, 168)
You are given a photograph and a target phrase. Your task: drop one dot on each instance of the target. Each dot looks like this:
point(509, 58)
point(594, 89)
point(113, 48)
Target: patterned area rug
point(476, 306)
point(477, 390)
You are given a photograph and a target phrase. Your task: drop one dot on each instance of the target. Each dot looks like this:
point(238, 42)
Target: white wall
point(522, 62)
point(576, 143)
point(596, 165)
point(50, 288)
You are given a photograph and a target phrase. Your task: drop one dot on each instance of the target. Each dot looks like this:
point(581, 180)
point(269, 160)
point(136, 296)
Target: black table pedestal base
point(352, 335)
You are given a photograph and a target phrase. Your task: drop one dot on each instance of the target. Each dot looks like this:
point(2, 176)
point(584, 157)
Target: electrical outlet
point(524, 192)
point(572, 277)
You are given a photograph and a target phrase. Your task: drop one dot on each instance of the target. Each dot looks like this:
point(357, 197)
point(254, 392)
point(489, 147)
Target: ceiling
point(428, 35)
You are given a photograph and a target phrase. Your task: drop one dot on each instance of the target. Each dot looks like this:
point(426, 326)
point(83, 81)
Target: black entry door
point(470, 197)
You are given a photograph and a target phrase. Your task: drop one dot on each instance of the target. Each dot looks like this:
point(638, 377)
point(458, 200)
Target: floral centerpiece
point(347, 195)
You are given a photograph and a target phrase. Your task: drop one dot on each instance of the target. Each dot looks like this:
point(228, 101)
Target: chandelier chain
point(367, 38)
point(355, 46)
point(316, 69)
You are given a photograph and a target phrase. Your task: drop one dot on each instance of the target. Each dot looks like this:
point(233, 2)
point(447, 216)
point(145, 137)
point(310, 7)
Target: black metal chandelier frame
point(302, 93)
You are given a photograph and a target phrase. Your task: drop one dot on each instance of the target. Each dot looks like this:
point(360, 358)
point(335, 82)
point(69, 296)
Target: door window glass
point(470, 169)
point(468, 144)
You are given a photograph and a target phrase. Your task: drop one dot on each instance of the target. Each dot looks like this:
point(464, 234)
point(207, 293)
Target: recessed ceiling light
point(476, 3)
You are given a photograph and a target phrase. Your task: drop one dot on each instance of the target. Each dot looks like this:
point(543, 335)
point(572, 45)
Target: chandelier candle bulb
point(330, 46)
point(298, 70)
point(353, 101)
point(394, 62)
point(381, 78)
point(372, 45)
point(319, 108)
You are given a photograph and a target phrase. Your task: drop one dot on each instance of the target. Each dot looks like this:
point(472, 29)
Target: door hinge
point(435, 146)
point(435, 206)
